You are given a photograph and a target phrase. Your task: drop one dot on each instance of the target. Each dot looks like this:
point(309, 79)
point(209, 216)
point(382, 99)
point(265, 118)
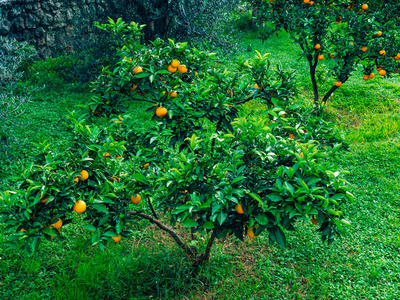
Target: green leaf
point(255, 197)
point(138, 177)
point(208, 225)
point(89, 227)
point(280, 237)
point(100, 207)
point(261, 219)
point(237, 179)
point(222, 217)
point(190, 223)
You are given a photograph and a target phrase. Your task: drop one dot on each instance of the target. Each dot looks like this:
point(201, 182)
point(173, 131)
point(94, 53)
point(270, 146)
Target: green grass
point(365, 264)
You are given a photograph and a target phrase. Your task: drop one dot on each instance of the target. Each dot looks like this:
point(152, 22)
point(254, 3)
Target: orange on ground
point(382, 72)
point(250, 232)
point(366, 77)
point(136, 200)
point(116, 238)
point(161, 112)
point(372, 75)
point(239, 209)
point(175, 63)
point(56, 223)
point(171, 69)
point(79, 207)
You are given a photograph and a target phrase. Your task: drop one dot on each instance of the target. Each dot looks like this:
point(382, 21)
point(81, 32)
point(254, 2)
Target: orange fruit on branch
point(182, 69)
point(137, 70)
point(136, 200)
point(44, 201)
point(79, 207)
point(338, 83)
point(56, 223)
point(175, 63)
point(372, 75)
point(364, 49)
point(171, 69)
point(366, 77)
point(317, 47)
point(239, 209)
point(250, 232)
point(84, 175)
point(320, 57)
point(161, 112)
point(364, 6)
point(382, 72)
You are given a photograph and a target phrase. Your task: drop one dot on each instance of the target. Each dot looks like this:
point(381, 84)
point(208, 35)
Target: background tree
point(340, 35)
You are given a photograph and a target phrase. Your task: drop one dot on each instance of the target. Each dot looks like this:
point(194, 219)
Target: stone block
point(5, 27)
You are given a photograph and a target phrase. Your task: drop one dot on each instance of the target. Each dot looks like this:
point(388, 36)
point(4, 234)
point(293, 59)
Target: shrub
point(197, 163)
point(14, 56)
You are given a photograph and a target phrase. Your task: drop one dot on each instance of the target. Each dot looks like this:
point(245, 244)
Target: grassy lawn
point(365, 264)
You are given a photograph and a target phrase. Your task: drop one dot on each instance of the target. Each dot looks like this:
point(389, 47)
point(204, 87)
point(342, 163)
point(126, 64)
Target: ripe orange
point(317, 46)
point(57, 223)
point(306, 1)
point(44, 201)
point(136, 200)
point(76, 180)
point(79, 207)
point(119, 157)
point(161, 112)
point(173, 94)
point(23, 230)
point(291, 136)
point(116, 238)
point(171, 69)
point(311, 3)
point(239, 209)
point(250, 232)
point(175, 63)
point(382, 72)
point(137, 70)
point(366, 77)
point(364, 49)
point(146, 166)
point(182, 69)
point(107, 155)
point(320, 57)
point(301, 154)
point(378, 34)
point(333, 55)
point(338, 83)
point(364, 6)
point(372, 75)
point(84, 175)
point(133, 88)
point(382, 52)
point(196, 73)
point(115, 178)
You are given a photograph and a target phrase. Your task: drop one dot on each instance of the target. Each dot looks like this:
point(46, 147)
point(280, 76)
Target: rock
point(16, 11)
point(40, 32)
point(46, 20)
point(5, 27)
point(32, 21)
point(18, 24)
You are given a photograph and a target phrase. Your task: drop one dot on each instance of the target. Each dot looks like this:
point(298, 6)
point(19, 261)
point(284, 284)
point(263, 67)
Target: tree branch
point(166, 228)
point(152, 208)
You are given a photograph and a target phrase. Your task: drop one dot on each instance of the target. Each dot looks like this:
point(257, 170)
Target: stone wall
point(56, 26)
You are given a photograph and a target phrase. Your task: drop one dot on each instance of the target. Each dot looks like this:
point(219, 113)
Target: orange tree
point(196, 162)
point(341, 35)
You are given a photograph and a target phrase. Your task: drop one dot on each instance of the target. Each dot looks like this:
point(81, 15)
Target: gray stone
point(46, 20)
point(70, 14)
point(59, 18)
point(100, 11)
point(36, 6)
point(40, 32)
point(32, 21)
point(18, 24)
point(39, 13)
point(50, 38)
point(5, 27)
point(16, 11)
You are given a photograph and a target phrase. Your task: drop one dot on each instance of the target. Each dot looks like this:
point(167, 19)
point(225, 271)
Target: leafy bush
point(197, 163)
point(14, 56)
